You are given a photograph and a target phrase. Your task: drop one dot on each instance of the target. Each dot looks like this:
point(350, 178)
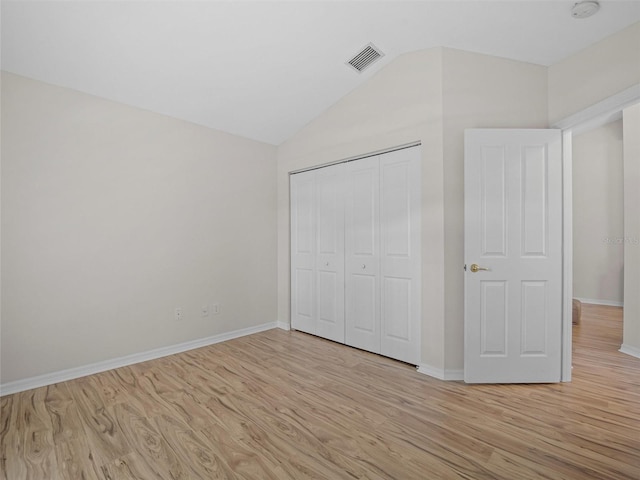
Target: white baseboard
point(284, 325)
point(629, 350)
point(595, 301)
point(440, 373)
point(77, 372)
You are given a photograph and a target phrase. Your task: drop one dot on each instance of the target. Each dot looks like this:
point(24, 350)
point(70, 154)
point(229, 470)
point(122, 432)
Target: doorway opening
point(598, 115)
point(598, 224)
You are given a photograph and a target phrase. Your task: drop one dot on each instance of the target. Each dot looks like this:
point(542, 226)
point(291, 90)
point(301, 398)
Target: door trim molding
point(600, 113)
point(567, 256)
point(283, 325)
point(596, 115)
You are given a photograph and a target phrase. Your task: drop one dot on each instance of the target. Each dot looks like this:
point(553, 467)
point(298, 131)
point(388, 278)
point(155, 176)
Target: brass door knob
point(476, 268)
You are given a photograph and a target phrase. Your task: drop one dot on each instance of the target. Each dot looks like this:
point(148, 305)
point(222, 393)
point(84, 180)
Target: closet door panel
point(400, 254)
point(304, 306)
point(303, 252)
point(330, 252)
point(363, 296)
point(362, 254)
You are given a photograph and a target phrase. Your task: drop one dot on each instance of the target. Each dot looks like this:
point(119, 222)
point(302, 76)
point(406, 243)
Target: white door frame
point(594, 116)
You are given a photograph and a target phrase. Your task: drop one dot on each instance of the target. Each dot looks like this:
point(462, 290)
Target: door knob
point(364, 266)
point(476, 268)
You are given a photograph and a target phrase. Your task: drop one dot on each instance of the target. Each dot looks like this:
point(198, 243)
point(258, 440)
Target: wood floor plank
point(101, 433)
point(285, 405)
point(12, 461)
point(193, 448)
point(154, 454)
point(37, 434)
point(68, 435)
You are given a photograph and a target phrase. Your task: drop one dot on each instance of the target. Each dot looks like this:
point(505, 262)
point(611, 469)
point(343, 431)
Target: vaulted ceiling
point(264, 69)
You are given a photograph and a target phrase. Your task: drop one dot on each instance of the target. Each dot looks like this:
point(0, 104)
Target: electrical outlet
point(215, 309)
point(204, 310)
point(178, 314)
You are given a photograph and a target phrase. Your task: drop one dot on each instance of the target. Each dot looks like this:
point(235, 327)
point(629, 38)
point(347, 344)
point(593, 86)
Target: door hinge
point(465, 267)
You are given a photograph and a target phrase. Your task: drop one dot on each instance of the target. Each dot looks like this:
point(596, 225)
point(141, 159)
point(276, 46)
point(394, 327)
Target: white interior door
point(513, 234)
point(362, 254)
point(303, 251)
point(400, 254)
point(330, 252)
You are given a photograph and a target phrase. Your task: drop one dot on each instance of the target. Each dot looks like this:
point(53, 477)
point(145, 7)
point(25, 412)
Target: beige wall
point(112, 216)
point(479, 91)
point(431, 96)
point(598, 226)
point(595, 73)
point(631, 125)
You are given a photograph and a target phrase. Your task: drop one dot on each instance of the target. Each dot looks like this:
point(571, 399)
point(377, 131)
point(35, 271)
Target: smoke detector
point(584, 9)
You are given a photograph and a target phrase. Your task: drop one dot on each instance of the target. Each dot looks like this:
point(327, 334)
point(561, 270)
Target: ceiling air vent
point(366, 57)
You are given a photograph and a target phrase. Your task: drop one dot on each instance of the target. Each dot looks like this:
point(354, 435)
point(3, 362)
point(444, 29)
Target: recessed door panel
point(493, 198)
point(303, 307)
point(396, 209)
point(329, 211)
point(534, 318)
point(363, 304)
point(304, 215)
point(493, 308)
point(396, 301)
point(534, 206)
point(362, 315)
point(330, 310)
point(363, 210)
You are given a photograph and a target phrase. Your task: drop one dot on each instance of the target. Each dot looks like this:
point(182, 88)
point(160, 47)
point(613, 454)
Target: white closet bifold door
point(355, 253)
point(317, 252)
point(362, 254)
point(303, 252)
point(330, 252)
point(400, 291)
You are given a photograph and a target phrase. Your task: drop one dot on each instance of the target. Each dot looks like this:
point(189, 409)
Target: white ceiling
point(264, 69)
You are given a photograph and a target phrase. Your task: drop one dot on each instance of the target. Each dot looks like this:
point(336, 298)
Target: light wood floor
point(285, 405)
